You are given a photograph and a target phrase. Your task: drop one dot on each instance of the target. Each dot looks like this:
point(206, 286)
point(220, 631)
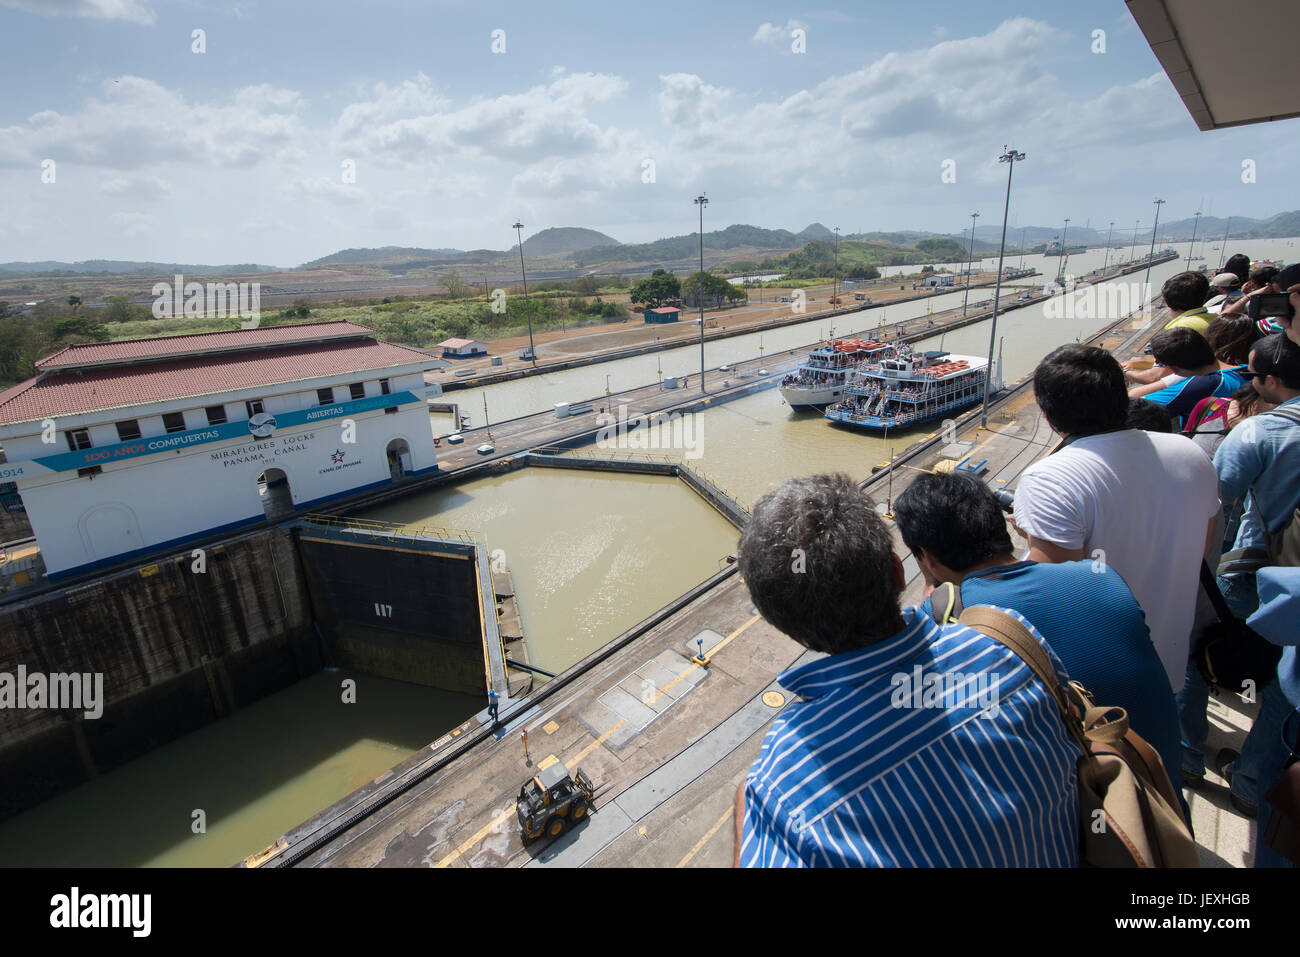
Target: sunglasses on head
point(1246, 374)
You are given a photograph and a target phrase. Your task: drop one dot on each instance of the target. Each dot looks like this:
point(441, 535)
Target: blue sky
point(236, 154)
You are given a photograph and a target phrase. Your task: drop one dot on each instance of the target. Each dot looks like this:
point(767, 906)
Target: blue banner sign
point(84, 458)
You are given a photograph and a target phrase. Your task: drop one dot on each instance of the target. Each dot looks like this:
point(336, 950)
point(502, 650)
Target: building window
point(128, 430)
point(216, 414)
point(89, 472)
point(383, 387)
point(174, 421)
point(78, 439)
point(325, 396)
point(254, 407)
point(357, 390)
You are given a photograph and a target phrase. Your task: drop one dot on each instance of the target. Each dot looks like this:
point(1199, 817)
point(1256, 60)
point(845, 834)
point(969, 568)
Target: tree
point(119, 309)
point(657, 289)
point(79, 329)
point(715, 288)
point(74, 302)
point(862, 271)
point(456, 287)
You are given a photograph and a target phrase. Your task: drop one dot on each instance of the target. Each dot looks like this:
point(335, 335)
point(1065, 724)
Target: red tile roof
point(138, 350)
point(123, 386)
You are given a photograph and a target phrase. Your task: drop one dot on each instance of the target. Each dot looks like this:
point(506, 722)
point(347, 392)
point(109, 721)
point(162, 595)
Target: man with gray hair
point(908, 744)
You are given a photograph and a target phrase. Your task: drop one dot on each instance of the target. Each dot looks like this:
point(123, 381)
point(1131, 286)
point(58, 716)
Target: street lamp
point(1009, 157)
point(1022, 246)
point(834, 294)
point(969, 254)
point(1133, 252)
point(1146, 283)
point(532, 351)
point(1193, 245)
point(1060, 268)
point(1109, 232)
point(701, 201)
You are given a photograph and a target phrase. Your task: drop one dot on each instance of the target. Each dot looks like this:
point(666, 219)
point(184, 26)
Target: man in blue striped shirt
point(911, 744)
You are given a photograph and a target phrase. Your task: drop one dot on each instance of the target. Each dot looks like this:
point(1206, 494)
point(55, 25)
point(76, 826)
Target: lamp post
point(969, 253)
point(835, 278)
point(1060, 267)
point(532, 351)
point(1022, 246)
point(1108, 235)
point(1133, 252)
point(1146, 283)
point(1009, 157)
point(701, 201)
point(1223, 251)
point(1195, 224)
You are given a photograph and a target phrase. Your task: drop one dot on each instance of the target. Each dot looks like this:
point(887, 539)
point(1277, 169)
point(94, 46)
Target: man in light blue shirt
point(910, 744)
point(1258, 464)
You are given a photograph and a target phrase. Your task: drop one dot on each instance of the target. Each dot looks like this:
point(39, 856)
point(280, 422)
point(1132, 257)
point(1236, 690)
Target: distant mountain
point(687, 245)
point(559, 240)
point(384, 255)
point(126, 268)
point(815, 231)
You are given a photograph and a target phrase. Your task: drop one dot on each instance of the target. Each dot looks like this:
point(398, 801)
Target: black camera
point(1268, 305)
point(1006, 498)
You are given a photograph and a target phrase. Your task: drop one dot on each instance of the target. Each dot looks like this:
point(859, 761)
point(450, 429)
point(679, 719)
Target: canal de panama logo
point(261, 425)
point(337, 456)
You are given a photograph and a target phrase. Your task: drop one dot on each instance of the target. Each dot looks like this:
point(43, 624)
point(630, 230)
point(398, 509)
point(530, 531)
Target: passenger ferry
point(910, 388)
point(820, 380)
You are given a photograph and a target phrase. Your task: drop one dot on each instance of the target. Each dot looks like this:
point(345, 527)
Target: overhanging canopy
point(1232, 63)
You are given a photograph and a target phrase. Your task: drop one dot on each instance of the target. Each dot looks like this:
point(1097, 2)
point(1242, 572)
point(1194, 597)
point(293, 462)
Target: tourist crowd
point(917, 740)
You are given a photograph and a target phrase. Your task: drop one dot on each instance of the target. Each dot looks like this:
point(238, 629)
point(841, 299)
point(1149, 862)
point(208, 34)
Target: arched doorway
point(273, 489)
point(399, 459)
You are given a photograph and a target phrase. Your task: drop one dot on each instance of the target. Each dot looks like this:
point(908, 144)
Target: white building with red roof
point(121, 448)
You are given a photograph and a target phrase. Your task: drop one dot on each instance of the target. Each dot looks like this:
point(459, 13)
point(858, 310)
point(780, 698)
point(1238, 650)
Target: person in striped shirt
point(909, 744)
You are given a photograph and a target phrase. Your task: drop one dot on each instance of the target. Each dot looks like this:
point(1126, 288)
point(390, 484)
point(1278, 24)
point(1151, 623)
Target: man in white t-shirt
point(1143, 503)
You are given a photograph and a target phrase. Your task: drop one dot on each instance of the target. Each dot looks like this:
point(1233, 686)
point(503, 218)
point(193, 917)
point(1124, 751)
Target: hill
point(94, 267)
point(559, 240)
point(815, 231)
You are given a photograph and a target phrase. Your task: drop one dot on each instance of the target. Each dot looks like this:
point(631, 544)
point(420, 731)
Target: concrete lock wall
point(177, 648)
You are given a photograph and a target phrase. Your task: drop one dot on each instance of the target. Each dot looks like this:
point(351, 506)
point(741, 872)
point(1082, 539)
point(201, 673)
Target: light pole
point(1009, 157)
point(1109, 232)
point(834, 294)
point(1022, 246)
point(969, 253)
point(1195, 224)
point(1060, 268)
point(1146, 283)
point(532, 351)
point(1133, 253)
point(701, 201)
point(1223, 250)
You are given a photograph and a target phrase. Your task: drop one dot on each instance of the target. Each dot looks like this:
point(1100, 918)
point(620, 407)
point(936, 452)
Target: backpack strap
point(1292, 414)
point(1007, 631)
point(945, 603)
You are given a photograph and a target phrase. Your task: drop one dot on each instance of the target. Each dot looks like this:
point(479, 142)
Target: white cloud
point(130, 10)
point(143, 188)
point(137, 123)
point(771, 33)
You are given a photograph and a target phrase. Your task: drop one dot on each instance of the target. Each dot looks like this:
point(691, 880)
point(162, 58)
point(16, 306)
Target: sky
point(290, 129)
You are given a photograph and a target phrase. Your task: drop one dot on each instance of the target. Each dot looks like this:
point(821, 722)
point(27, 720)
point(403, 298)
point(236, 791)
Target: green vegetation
point(661, 286)
point(715, 288)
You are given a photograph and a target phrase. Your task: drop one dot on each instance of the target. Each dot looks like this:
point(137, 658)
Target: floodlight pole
point(532, 351)
point(701, 201)
point(1009, 157)
point(969, 254)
